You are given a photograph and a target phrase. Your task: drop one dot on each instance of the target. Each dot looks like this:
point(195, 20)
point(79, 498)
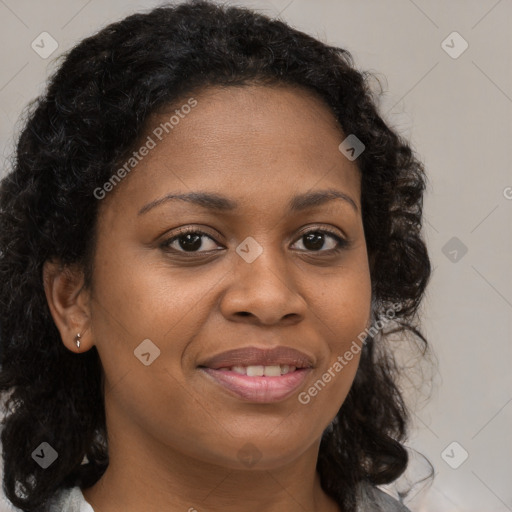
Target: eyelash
point(341, 242)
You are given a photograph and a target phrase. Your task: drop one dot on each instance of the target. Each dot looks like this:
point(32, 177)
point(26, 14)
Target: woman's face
point(166, 309)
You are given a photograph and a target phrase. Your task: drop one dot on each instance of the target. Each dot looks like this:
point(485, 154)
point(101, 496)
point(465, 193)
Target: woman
point(207, 238)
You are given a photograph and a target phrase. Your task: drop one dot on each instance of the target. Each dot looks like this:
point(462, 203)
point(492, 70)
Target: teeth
point(272, 371)
point(260, 371)
point(255, 371)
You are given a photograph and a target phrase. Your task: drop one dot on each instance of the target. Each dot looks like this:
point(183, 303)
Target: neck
point(144, 476)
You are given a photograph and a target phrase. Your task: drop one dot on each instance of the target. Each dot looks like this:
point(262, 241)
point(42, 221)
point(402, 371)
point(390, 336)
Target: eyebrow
point(217, 202)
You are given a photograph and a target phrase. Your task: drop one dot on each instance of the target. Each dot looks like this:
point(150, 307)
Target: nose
point(263, 292)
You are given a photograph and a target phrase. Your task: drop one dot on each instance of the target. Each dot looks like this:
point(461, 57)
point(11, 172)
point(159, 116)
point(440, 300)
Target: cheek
point(151, 299)
point(135, 303)
point(342, 310)
point(341, 304)
point(334, 377)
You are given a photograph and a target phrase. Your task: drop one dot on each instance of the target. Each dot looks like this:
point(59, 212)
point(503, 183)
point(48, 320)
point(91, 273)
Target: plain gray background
point(455, 107)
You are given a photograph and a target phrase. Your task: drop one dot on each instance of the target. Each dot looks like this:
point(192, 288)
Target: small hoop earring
point(77, 340)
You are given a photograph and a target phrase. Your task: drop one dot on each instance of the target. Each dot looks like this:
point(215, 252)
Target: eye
point(190, 241)
point(317, 239)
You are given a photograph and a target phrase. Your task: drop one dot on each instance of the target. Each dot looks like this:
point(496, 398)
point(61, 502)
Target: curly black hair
point(90, 117)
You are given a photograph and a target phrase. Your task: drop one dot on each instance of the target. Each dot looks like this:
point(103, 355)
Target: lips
point(258, 389)
point(259, 375)
point(253, 356)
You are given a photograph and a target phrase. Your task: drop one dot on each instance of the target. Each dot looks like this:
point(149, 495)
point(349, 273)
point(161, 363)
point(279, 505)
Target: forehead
point(266, 116)
point(250, 143)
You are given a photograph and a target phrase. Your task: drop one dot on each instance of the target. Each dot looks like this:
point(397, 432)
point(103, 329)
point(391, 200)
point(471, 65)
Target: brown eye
point(320, 240)
point(191, 242)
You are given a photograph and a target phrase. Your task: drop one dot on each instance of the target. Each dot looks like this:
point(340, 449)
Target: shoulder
point(373, 499)
point(69, 500)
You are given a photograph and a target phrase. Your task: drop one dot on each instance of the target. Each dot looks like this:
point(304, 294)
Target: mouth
point(261, 371)
point(259, 375)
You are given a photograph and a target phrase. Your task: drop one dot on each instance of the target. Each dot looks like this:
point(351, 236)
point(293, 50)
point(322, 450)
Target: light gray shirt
point(373, 500)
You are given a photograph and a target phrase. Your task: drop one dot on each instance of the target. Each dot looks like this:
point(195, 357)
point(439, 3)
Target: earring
point(77, 340)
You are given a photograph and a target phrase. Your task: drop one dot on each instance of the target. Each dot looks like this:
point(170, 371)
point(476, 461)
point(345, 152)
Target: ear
point(69, 303)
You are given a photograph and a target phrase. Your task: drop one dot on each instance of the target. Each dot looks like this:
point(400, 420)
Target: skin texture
point(174, 435)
